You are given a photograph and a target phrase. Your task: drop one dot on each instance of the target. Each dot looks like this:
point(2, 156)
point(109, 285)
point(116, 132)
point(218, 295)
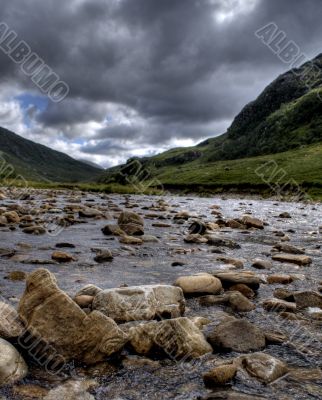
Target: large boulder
point(178, 338)
point(131, 223)
point(52, 317)
point(237, 335)
point(12, 366)
point(199, 283)
point(10, 324)
point(140, 302)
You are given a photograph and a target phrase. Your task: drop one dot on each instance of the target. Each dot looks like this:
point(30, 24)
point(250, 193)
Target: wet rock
point(252, 222)
point(230, 278)
point(306, 299)
point(72, 390)
point(264, 367)
point(90, 213)
point(65, 245)
point(34, 230)
point(16, 276)
point(239, 302)
point(234, 224)
point(182, 215)
point(139, 362)
point(197, 227)
point(261, 264)
point(131, 223)
point(238, 335)
point(130, 240)
point(243, 289)
point(62, 257)
point(12, 217)
point(233, 261)
point(89, 290)
point(199, 284)
point(10, 324)
point(218, 241)
point(220, 375)
point(195, 238)
point(12, 366)
point(284, 294)
point(149, 239)
point(178, 338)
point(84, 301)
point(30, 391)
point(54, 318)
point(140, 302)
point(103, 256)
point(278, 305)
point(285, 214)
point(287, 248)
point(279, 278)
point(292, 258)
point(112, 230)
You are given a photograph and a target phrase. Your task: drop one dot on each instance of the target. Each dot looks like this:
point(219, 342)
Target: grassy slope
point(37, 162)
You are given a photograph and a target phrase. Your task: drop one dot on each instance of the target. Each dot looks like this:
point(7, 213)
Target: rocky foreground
point(131, 297)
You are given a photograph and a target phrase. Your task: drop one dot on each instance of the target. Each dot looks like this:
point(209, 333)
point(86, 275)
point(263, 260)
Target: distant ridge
point(37, 162)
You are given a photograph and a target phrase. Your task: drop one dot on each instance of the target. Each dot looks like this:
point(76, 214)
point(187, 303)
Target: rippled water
point(151, 263)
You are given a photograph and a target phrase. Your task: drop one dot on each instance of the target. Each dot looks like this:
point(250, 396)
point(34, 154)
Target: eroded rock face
point(131, 223)
point(237, 335)
point(264, 367)
point(12, 366)
point(140, 302)
point(50, 315)
point(200, 283)
point(178, 338)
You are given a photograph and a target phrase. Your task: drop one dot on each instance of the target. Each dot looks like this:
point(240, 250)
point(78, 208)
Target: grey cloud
point(169, 62)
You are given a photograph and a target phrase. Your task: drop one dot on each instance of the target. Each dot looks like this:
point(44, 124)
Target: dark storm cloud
point(182, 71)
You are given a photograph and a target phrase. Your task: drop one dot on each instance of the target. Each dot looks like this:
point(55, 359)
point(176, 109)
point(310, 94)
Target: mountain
point(286, 116)
point(37, 162)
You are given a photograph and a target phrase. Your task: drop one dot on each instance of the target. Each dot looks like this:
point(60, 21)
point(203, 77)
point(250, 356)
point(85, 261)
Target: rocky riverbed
point(144, 297)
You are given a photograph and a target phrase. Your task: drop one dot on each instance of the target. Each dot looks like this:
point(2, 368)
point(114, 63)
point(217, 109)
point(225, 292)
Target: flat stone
point(199, 284)
point(292, 258)
point(140, 302)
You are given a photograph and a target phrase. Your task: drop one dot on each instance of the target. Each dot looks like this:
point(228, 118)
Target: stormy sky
point(144, 75)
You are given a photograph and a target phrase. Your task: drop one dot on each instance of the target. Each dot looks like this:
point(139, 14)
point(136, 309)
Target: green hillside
point(39, 163)
point(284, 124)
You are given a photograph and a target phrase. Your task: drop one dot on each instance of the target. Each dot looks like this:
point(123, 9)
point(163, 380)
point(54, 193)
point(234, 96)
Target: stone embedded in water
point(12, 366)
point(62, 257)
point(230, 278)
point(178, 338)
point(261, 264)
point(199, 284)
point(110, 230)
point(292, 258)
point(252, 222)
point(264, 367)
point(131, 223)
point(306, 299)
point(72, 390)
point(125, 239)
point(140, 302)
point(282, 279)
point(35, 230)
point(57, 322)
point(238, 335)
point(220, 375)
point(278, 305)
point(103, 256)
point(239, 302)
